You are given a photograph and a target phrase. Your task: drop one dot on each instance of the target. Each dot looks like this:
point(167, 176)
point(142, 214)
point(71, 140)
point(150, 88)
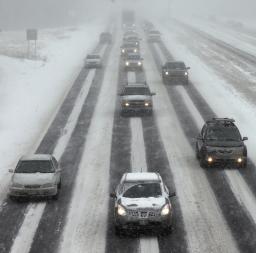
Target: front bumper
point(133, 67)
point(175, 78)
point(148, 221)
point(30, 192)
point(232, 160)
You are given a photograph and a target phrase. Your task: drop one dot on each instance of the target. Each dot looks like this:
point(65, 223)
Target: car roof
point(37, 157)
point(142, 176)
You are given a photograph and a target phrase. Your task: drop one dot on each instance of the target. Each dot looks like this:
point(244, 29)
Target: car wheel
point(203, 163)
point(168, 230)
point(56, 196)
point(119, 231)
point(13, 198)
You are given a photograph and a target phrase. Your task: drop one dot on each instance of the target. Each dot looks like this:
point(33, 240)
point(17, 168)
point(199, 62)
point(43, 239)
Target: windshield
point(92, 57)
point(223, 133)
point(137, 91)
point(175, 65)
point(143, 190)
point(34, 167)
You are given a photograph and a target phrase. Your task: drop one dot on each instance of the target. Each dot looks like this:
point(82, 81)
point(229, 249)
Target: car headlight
point(239, 159)
point(167, 73)
point(126, 104)
point(139, 63)
point(186, 73)
point(127, 63)
point(166, 210)
point(209, 159)
point(147, 103)
point(135, 50)
point(123, 50)
point(121, 211)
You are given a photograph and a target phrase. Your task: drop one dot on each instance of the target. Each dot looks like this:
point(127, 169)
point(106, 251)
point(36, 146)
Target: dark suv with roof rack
point(220, 143)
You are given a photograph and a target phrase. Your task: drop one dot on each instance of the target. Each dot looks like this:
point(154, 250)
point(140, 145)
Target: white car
point(142, 201)
point(36, 175)
point(93, 61)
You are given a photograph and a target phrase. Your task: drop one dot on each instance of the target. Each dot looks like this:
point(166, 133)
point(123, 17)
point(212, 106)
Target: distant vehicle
point(136, 98)
point(132, 38)
point(128, 18)
point(106, 37)
point(220, 143)
point(133, 61)
point(175, 72)
point(153, 36)
point(129, 47)
point(131, 33)
point(142, 201)
point(93, 61)
point(36, 175)
point(147, 26)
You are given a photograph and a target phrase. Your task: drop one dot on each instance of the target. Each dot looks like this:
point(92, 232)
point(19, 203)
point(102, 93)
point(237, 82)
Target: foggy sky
point(43, 13)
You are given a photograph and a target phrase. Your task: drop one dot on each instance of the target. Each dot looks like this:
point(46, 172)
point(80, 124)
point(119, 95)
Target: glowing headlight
point(123, 50)
point(139, 63)
point(167, 73)
point(165, 210)
point(147, 103)
point(126, 104)
point(239, 160)
point(135, 50)
point(121, 211)
point(186, 73)
point(127, 63)
point(210, 159)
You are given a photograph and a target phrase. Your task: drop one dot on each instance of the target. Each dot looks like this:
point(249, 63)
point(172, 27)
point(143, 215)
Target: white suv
point(142, 201)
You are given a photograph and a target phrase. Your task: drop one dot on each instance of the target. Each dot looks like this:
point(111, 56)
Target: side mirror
point(58, 170)
point(173, 194)
point(245, 138)
point(187, 67)
point(112, 195)
point(11, 170)
point(153, 93)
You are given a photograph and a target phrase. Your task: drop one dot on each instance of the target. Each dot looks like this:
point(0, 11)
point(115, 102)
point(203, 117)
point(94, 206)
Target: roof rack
point(225, 120)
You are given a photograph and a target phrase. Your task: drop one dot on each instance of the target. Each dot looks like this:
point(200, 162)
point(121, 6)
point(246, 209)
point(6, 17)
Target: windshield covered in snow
point(34, 167)
point(223, 133)
point(143, 190)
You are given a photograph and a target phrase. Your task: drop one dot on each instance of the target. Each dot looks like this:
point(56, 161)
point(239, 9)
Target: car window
point(223, 133)
point(34, 167)
point(136, 91)
point(176, 65)
point(143, 190)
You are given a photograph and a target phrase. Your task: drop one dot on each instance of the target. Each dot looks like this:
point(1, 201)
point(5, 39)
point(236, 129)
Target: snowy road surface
point(214, 210)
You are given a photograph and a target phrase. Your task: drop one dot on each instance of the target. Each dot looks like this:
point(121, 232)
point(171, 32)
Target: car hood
point(136, 97)
point(143, 202)
point(224, 143)
point(33, 178)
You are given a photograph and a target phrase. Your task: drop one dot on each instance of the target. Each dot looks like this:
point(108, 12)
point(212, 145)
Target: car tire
point(56, 196)
point(167, 231)
point(119, 231)
point(13, 198)
point(203, 163)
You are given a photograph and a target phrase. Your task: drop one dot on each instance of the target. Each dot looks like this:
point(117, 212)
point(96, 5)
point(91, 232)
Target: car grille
point(137, 103)
point(225, 151)
point(32, 186)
